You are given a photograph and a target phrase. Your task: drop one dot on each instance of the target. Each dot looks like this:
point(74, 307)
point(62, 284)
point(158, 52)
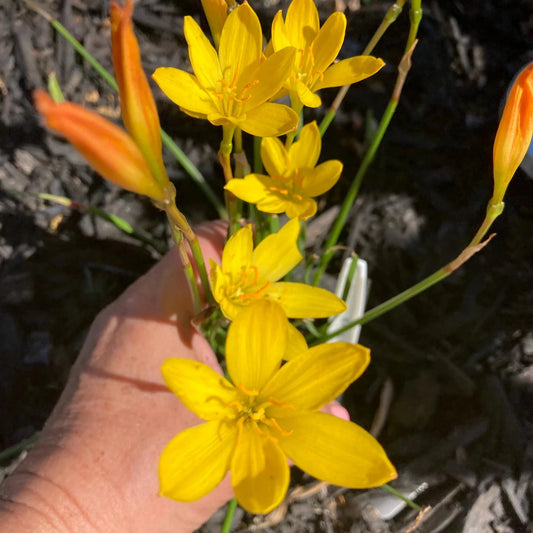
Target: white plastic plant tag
point(355, 300)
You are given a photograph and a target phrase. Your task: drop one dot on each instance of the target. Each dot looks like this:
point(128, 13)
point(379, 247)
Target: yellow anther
point(248, 392)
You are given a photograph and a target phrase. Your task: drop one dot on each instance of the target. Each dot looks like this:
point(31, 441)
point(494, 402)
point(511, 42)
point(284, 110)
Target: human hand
point(94, 467)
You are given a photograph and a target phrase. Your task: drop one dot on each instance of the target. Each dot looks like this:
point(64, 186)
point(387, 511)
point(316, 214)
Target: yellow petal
point(203, 56)
point(328, 42)
point(302, 22)
point(336, 451)
point(250, 189)
point(184, 90)
point(237, 253)
point(307, 96)
point(280, 37)
point(196, 461)
point(270, 77)
point(270, 120)
point(259, 471)
point(306, 150)
point(272, 204)
point(277, 254)
point(349, 71)
point(316, 377)
point(302, 209)
point(201, 389)
point(275, 157)
point(322, 178)
point(303, 301)
point(241, 44)
point(255, 344)
point(296, 344)
point(216, 12)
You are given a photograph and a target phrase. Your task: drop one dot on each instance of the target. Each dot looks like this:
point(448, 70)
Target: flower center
point(289, 188)
point(304, 68)
point(243, 287)
point(250, 410)
point(231, 98)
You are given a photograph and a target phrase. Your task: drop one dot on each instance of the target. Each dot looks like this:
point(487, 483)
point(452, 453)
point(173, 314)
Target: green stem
point(336, 230)
point(183, 160)
point(493, 212)
point(228, 519)
point(200, 264)
point(393, 302)
point(258, 163)
point(399, 495)
point(16, 449)
point(403, 69)
point(391, 15)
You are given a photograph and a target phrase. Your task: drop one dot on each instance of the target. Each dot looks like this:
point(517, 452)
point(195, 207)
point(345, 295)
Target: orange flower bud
point(107, 148)
point(514, 133)
point(216, 12)
point(137, 104)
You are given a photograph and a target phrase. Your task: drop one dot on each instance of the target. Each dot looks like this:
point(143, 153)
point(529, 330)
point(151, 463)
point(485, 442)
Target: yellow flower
point(266, 415)
point(249, 275)
point(294, 179)
point(514, 133)
point(231, 88)
point(216, 12)
point(317, 48)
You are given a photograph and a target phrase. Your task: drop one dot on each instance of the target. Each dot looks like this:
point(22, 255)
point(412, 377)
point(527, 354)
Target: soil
point(455, 364)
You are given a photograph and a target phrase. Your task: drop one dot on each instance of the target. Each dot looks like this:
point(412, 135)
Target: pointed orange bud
point(216, 12)
point(137, 104)
point(514, 133)
point(108, 149)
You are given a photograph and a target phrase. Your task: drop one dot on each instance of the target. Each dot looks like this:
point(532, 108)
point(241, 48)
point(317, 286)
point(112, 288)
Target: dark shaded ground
point(456, 362)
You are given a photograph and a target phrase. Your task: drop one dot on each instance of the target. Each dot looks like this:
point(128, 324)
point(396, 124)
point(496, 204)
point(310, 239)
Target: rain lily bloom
point(137, 104)
point(231, 88)
point(514, 133)
point(294, 177)
point(249, 275)
point(132, 161)
point(107, 148)
point(266, 414)
point(317, 48)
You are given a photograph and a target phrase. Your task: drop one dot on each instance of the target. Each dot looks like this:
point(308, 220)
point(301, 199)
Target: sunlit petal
point(241, 43)
point(203, 56)
point(349, 71)
point(184, 90)
point(270, 77)
point(296, 344)
point(328, 41)
point(336, 451)
point(196, 461)
point(280, 38)
point(302, 22)
point(277, 254)
point(316, 377)
point(237, 253)
point(306, 151)
point(256, 344)
point(322, 178)
point(200, 388)
point(270, 120)
point(274, 156)
point(250, 189)
point(306, 96)
point(302, 209)
point(259, 471)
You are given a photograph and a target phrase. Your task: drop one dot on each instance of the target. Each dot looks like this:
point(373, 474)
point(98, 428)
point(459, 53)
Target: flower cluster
point(266, 411)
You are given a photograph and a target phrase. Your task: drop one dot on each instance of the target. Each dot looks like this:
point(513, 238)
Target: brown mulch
point(452, 370)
